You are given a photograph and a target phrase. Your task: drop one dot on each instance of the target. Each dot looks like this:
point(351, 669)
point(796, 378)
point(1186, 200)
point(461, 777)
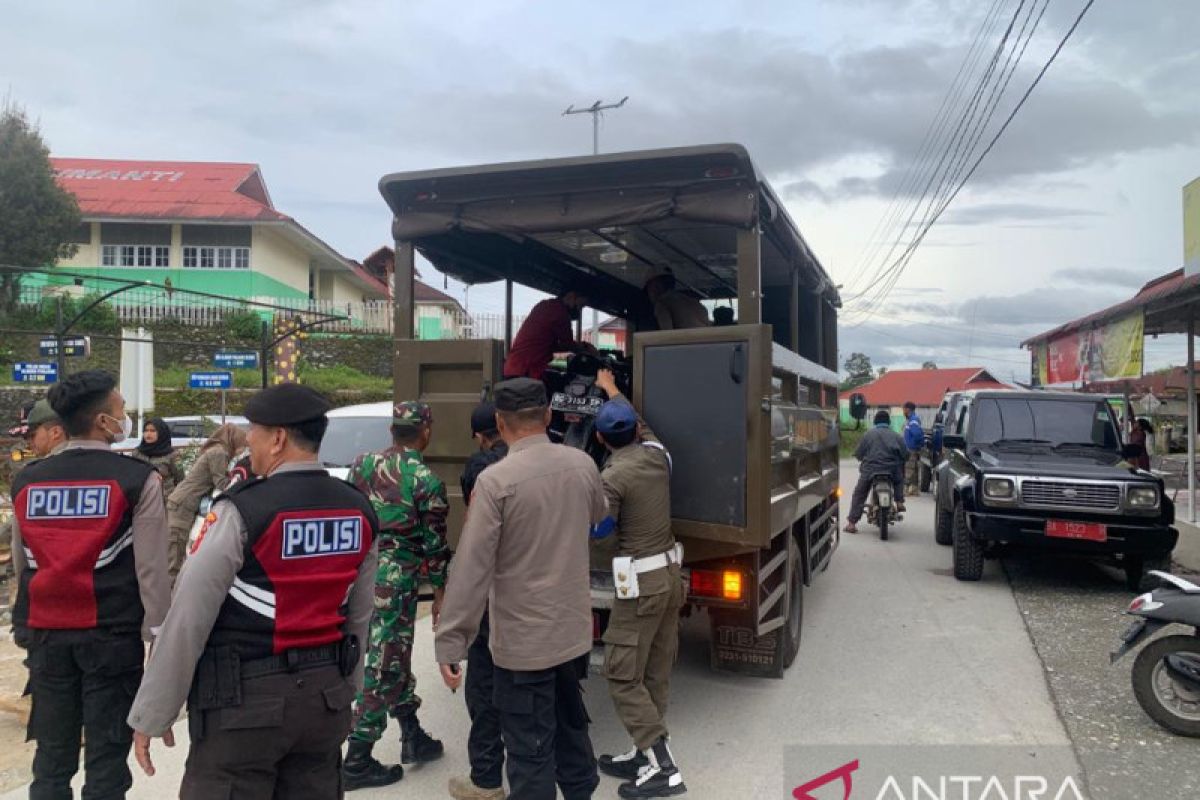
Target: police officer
point(643, 630)
point(262, 636)
point(45, 434)
point(412, 507)
point(89, 551)
point(485, 748)
point(525, 544)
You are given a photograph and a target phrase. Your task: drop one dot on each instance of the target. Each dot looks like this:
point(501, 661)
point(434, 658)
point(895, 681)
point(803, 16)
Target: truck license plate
point(562, 401)
point(1089, 531)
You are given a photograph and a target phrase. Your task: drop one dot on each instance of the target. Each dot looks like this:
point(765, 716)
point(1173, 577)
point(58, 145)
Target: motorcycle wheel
point(883, 524)
point(1172, 704)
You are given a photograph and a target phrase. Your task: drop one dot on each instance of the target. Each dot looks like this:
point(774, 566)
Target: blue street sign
point(241, 359)
point(72, 346)
point(35, 372)
point(210, 380)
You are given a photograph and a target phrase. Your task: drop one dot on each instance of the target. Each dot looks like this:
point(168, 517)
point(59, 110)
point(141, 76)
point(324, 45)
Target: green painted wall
point(241, 283)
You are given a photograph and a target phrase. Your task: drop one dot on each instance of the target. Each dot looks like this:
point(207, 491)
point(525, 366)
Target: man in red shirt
point(546, 331)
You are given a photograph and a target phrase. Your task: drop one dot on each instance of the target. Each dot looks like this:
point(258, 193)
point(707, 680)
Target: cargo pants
point(82, 682)
point(640, 645)
point(485, 748)
point(389, 687)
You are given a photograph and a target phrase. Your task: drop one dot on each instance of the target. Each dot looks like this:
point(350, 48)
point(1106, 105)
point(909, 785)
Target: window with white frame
point(135, 255)
point(216, 257)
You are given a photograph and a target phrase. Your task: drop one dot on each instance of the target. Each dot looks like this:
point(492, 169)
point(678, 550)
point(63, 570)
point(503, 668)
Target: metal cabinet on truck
point(748, 411)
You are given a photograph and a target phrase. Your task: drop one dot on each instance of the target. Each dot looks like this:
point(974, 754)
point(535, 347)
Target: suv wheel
point(1137, 568)
point(943, 524)
point(968, 552)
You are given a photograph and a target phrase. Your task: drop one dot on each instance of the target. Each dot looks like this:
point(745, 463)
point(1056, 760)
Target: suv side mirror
point(953, 441)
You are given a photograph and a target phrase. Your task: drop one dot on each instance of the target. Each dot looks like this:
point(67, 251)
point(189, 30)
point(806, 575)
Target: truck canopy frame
point(602, 225)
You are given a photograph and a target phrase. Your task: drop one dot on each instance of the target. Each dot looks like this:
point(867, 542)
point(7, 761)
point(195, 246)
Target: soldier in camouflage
point(412, 507)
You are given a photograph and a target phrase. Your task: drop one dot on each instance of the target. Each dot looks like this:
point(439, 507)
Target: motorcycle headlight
point(1141, 496)
point(999, 488)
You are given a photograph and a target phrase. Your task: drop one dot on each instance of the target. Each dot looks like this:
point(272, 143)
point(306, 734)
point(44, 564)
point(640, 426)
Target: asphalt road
point(897, 656)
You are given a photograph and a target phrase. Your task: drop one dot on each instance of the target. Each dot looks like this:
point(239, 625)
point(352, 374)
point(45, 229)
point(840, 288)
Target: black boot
point(361, 771)
point(659, 778)
point(417, 746)
point(624, 766)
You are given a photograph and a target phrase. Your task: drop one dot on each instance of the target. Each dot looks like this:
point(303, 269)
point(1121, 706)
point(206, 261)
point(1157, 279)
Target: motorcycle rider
point(881, 450)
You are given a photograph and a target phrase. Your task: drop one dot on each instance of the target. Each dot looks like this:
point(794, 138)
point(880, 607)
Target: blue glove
point(604, 528)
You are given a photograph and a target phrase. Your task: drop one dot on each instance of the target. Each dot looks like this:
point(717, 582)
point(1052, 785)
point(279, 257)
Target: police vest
point(75, 512)
point(307, 536)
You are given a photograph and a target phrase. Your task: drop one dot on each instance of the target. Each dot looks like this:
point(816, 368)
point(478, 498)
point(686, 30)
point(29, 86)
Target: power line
point(903, 260)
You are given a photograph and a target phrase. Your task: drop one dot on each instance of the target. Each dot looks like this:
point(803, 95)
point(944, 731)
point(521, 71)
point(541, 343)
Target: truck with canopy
point(748, 411)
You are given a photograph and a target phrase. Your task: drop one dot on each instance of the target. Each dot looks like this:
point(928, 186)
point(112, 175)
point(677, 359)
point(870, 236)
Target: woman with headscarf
point(210, 472)
point(156, 450)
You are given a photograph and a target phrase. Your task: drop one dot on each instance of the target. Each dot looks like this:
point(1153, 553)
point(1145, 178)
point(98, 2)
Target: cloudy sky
point(1077, 206)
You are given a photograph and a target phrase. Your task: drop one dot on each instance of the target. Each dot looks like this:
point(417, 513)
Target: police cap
point(616, 416)
point(41, 414)
point(412, 412)
point(286, 404)
point(519, 394)
point(483, 418)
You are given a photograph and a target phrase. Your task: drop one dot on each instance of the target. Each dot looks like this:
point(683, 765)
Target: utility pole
point(597, 110)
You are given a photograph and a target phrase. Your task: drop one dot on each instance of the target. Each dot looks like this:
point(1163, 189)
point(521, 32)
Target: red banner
point(1062, 359)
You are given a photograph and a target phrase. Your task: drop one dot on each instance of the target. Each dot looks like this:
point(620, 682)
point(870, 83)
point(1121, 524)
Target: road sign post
point(212, 379)
point(73, 347)
point(236, 359)
point(35, 372)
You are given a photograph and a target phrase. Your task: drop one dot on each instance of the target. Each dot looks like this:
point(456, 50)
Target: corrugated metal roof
point(1151, 297)
point(925, 387)
point(175, 190)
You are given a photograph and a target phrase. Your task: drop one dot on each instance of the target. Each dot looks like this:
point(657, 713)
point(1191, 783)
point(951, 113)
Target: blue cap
point(616, 416)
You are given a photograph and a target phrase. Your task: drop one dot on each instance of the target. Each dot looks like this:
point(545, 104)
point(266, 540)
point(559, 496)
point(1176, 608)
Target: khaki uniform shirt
point(637, 485)
point(6, 527)
point(526, 543)
point(674, 310)
point(149, 546)
point(200, 591)
point(209, 472)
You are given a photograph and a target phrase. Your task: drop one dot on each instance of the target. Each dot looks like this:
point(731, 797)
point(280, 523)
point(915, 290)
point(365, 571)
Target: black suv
point(1046, 469)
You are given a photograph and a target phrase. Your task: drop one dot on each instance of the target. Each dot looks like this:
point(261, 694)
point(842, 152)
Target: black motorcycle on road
point(1166, 673)
point(881, 504)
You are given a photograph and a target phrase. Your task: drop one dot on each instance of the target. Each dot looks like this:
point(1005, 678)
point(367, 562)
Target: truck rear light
point(717, 584)
point(731, 585)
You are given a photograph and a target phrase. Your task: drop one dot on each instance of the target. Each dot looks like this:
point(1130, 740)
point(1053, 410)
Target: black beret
point(286, 404)
point(518, 394)
point(483, 418)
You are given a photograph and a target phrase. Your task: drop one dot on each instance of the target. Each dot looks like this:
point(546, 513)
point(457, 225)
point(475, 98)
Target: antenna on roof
point(597, 110)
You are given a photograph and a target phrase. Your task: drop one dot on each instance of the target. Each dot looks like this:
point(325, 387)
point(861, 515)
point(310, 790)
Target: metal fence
point(152, 305)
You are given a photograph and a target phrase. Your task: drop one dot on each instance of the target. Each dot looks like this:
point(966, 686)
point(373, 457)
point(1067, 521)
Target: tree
point(858, 371)
point(38, 218)
point(882, 371)
point(929, 365)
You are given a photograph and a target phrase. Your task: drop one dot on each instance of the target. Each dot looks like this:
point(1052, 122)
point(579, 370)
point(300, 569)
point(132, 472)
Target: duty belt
point(292, 660)
point(651, 563)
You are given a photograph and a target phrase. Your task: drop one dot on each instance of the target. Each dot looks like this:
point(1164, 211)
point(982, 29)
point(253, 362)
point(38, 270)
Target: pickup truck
point(1047, 470)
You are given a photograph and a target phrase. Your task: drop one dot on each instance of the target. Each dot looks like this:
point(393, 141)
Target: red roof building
point(925, 387)
point(208, 226)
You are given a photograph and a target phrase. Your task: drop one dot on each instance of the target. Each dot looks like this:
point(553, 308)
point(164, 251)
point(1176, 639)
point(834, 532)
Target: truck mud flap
point(736, 648)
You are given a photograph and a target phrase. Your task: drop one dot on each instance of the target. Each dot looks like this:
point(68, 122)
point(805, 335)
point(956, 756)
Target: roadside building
point(438, 315)
point(925, 387)
point(611, 335)
point(205, 226)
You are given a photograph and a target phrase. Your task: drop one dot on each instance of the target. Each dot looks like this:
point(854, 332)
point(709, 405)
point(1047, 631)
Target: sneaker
point(850, 528)
point(659, 778)
point(465, 789)
point(624, 766)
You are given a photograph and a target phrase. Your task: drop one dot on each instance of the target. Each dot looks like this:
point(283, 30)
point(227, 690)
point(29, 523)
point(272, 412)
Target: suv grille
point(1070, 494)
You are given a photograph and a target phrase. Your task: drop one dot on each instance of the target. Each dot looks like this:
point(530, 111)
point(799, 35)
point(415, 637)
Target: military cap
point(412, 412)
point(286, 404)
point(483, 418)
point(616, 416)
point(519, 394)
point(40, 414)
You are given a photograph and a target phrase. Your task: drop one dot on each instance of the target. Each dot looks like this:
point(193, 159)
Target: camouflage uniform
point(412, 507)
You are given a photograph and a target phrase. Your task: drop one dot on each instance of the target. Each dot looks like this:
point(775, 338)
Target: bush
point(244, 325)
point(101, 319)
point(342, 378)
